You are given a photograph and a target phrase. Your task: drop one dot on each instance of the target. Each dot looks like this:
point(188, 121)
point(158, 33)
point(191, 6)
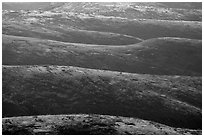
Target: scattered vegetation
point(138, 60)
point(88, 125)
point(40, 90)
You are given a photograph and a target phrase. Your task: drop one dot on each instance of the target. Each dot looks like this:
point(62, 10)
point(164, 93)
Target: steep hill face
point(163, 56)
point(87, 125)
point(39, 90)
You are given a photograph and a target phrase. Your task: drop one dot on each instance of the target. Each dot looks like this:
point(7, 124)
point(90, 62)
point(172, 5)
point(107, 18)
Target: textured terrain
point(163, 56)
point(102, 68)
point(81, 124)
point(40, 90)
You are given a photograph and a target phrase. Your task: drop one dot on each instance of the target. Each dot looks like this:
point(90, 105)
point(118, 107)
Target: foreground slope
point(39, 90)
point(163, 56)
point(81, 124)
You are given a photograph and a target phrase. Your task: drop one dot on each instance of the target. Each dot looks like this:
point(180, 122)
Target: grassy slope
point(135, 10)
point(181, 5)
point(67, 35)
point(96, 29)
point(146, 29)
point(17, 6)
point(172, 100)
point(168, 11)
point(163, 56)
point(87, 125)
point(40, 90)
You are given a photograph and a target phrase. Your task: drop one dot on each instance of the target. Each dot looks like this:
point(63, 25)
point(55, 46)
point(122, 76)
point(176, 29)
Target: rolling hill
point(68, 34)
point(97, 29)
point(118, 68)
point(188, 11)
point(40, 90)
point(163, 56)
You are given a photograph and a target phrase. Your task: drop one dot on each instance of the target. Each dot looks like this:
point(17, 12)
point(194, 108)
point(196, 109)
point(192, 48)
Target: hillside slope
point(40, 90)
point(17, 6)
point(64, 26)
point(81, 124)
point(117, 68)
point(67, 34)
point(191, 11)
point(163, 56)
